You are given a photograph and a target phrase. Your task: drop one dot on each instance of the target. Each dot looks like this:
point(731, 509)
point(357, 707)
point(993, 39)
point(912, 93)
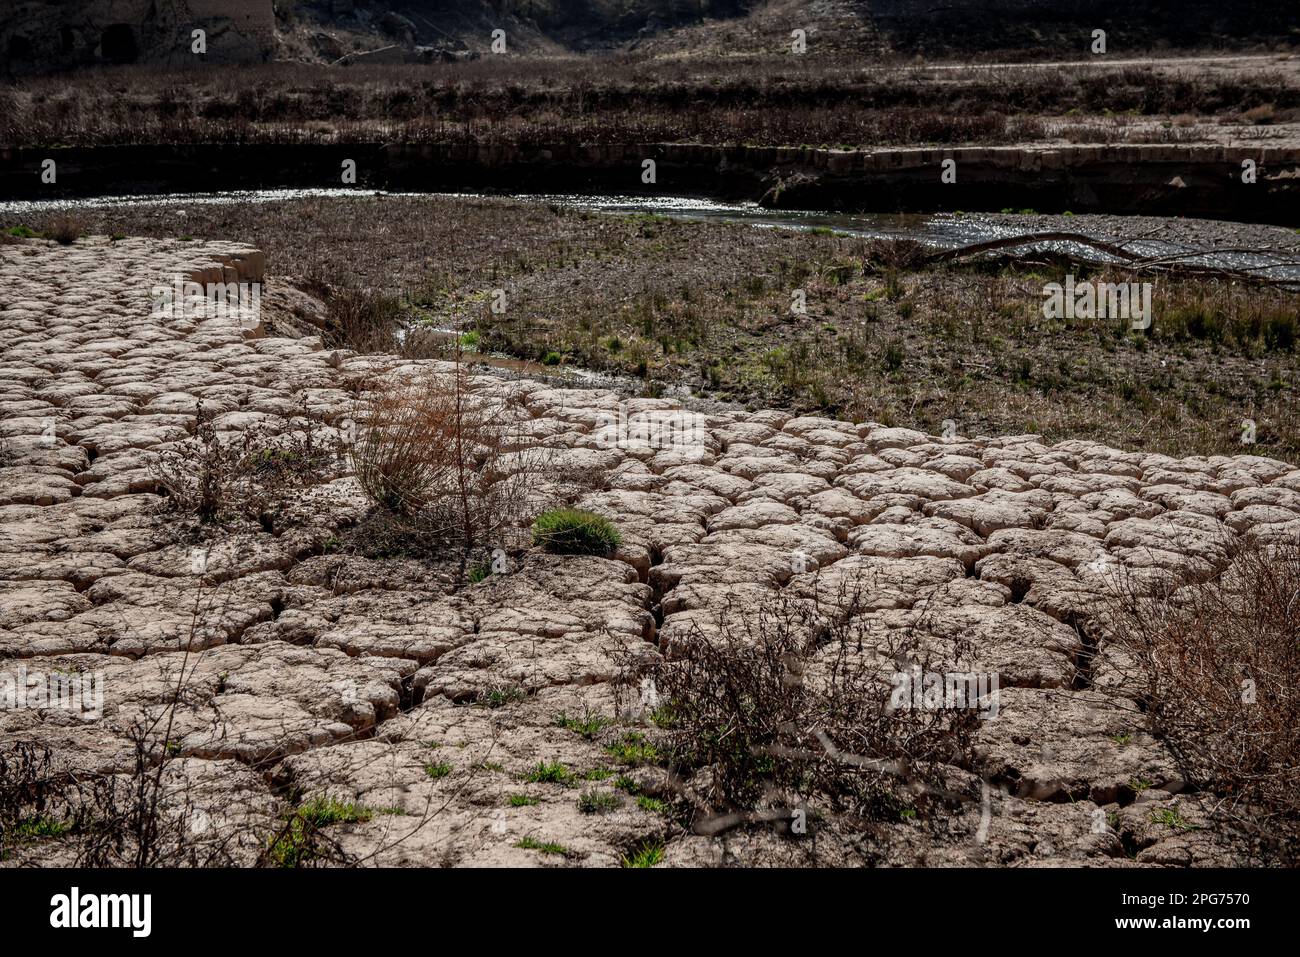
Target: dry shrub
point(150, 815)
point(361, 319)
point(1261, 115)
point(65, 228)
point(897, 253)
point(442, 457)
point(1219, 665)
point(789, 707)
point(253, 474)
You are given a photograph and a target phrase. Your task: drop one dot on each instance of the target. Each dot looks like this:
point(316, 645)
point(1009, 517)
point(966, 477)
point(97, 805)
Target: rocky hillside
point(58, 34)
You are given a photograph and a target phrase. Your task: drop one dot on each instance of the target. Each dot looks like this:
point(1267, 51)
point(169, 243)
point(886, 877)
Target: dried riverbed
point(314, 672)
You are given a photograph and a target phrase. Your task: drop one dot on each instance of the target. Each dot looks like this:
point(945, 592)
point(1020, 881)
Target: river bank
point(1166, 180)
point(702, 307)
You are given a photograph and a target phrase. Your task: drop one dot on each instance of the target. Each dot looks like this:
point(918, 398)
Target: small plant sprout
point(438, 771)
point(598, 802)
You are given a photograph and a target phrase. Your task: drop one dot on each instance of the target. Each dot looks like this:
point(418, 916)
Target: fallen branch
point(1026, 239)
point(1164, 262)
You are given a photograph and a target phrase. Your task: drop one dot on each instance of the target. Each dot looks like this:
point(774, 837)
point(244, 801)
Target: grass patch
point(663, 716)
point(570, 531)
point(647, 854)
point(546, 847)
point(549, 773)
point(499, 697)
point(588, 726)
point(634, 748)
point(41, 826)
point(299, 842)
point(598, 802)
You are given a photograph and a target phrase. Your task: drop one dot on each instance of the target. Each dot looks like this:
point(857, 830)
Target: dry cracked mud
point(308, 673)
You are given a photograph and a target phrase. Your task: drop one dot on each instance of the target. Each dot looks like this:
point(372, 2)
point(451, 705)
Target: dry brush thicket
point(821, 101)
point(250, 475)
point(1218, 665)
point(790, 707)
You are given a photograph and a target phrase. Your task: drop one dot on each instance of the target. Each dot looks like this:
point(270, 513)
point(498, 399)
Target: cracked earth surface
point(352, 677)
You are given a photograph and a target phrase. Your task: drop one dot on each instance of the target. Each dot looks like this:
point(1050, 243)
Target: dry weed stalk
point(1218, 663)
point(253, 474)
point(789, 708)
point(443, 457)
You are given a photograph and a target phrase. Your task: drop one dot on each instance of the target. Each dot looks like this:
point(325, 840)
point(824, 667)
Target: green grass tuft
point(1170, 817)
point(598, 802)
point(498, 697)
point(546, 847)
point(634, 749)
point(588, 726)
point(553, 773)
point(40, 827)
point(295, 845)
point(569, 531)
point(647, 855)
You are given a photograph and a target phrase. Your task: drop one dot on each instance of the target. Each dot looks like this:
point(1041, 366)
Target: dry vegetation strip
point(707, 307)
point(771, 102)
point(1218, 663)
